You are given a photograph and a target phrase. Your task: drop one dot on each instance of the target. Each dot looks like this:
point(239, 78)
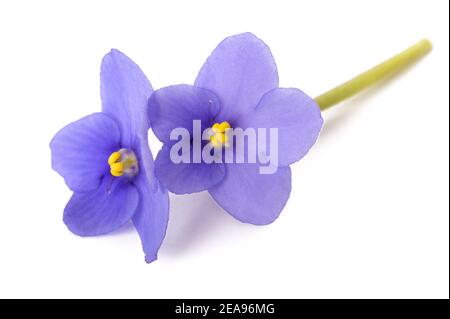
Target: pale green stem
point(375, 74)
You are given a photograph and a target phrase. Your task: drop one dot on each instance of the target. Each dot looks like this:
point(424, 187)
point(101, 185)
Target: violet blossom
point(106, 161)
point(237, 87)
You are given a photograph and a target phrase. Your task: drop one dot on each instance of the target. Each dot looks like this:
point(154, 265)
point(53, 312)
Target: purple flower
point(237, 87)
point(105, 160)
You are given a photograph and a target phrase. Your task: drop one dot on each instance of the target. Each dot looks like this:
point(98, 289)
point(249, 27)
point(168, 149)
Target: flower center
point(123, 162)
point(219, 138)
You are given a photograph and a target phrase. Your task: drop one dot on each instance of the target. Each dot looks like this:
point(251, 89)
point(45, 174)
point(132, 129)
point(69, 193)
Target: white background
point(368, 214)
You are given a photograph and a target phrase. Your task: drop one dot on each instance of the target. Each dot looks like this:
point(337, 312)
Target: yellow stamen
point(118, 167)
point(223, 126)
point(114, 157)
point(116, 174)
point(219, 137)
point(123, 162)
point(215, 128)
point(213, 141)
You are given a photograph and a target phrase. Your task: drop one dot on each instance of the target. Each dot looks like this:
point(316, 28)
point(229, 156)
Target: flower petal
point(177, 106)
point(80, 151)
point(125, 91)
point(251, 197)
point(152, 214)
point(103, 210)
point(186, 178)
point(240, 70)
point(297, 118)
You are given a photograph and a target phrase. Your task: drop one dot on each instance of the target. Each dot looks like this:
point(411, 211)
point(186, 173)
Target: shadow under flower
point(193, 218)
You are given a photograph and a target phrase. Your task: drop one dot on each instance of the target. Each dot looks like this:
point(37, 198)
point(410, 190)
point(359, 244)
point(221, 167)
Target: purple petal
point(103, 210)
point(152, 214)
point(80, 151)
point(297, 117)
point(177, 106)
point(186, 178)
point(125, 91)
point(240, 70)
point(251, 197)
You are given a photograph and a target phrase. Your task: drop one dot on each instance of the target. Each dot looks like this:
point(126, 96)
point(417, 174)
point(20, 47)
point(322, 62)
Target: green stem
point(375, 74)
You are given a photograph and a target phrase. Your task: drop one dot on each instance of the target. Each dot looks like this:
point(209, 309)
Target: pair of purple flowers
point(106, 161)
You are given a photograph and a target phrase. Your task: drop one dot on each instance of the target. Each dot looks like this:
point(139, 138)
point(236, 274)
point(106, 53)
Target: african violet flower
point(105, 160)
point(237, 87)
